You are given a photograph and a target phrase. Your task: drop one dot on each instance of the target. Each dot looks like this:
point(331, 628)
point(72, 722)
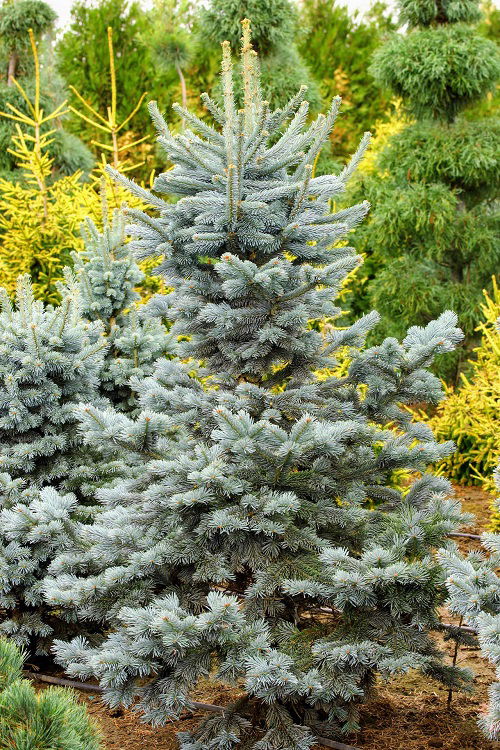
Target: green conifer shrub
point(262, 542)
point(336, 43)
point(50, 720)
point(432, 238)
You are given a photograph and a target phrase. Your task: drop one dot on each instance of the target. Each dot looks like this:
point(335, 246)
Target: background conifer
point(16, 62)
point(274, 24)
point(432, 238)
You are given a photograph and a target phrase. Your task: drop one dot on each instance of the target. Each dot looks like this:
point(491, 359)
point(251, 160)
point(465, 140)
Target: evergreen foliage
point(84, 63)
point(17, 20)
point(52, 719)
point(70, 154)
point(474, 590)
point(105, 277)
point(262, 542)
point(469, 414)
point(432, 238)
point(50, 361)
point(39, 230)
point(173, 50)
point(87, 349)
point(36, 525)
point(336, 45)
point(467, 66)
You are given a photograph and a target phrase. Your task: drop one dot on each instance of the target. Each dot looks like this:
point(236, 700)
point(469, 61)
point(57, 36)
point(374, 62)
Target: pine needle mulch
point(408, 713)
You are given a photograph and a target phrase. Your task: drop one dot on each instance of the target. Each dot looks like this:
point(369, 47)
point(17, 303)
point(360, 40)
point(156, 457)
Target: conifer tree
point(17, 19)
point(86, 350)
point(433, 234)
point(474, 589)
point(84, 63)
point(53, 719)
point(263, 541)
point(50, 360)
point(336, 43)
point(104, 277)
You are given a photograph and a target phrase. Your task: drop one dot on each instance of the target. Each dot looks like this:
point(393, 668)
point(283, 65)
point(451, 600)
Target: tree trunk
point(12, 68)
point(183, 84)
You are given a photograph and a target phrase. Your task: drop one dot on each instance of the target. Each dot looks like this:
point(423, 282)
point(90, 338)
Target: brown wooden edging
point(87, 686)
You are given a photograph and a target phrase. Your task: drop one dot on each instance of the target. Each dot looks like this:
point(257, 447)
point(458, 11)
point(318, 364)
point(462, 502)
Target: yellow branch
point(58, 112)
point(134, 143)
point(20, 117)
point(134, 111)
point(112, 73)
point(86, 104)
point(87, 119)
point(24, 95)
point(37, 71)
point(102, 145)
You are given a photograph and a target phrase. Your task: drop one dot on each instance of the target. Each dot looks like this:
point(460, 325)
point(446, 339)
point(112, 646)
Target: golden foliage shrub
point(38, 231)
point(40, 217)
point(384, 130)
point(470, 414)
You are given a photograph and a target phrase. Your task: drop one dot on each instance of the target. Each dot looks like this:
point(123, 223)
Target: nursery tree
point(469, 414)
point(19, 19)
point(52, 719)
point(474, 589)
point(171, 40)
point(49, 362)
point(104, 277)
point(16, 18)
point(263, 542)
point(336, 43)
point(433, 231)
point(52, 359)
point(85, 65)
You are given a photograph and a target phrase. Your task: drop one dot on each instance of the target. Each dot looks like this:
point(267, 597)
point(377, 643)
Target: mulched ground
point(409, 713)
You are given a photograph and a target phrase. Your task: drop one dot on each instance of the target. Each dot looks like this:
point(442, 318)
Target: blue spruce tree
point(105, 276)
point(474, 590)
point(52, 360)
point(473, 585)
point(263, 542)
